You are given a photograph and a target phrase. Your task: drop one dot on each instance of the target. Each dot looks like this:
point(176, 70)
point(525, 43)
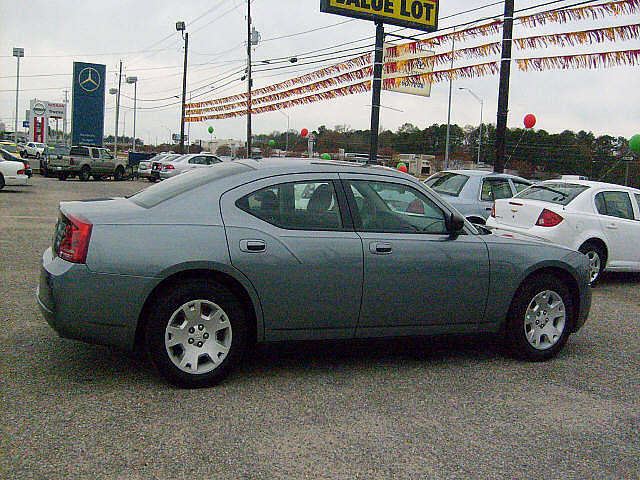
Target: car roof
point(483, 173)
point(594, 184)
point(282, 165)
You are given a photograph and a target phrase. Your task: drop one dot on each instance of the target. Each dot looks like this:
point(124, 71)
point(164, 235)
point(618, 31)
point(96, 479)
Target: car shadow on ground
point(26, 189)
point(98, 365)
point(616, 278)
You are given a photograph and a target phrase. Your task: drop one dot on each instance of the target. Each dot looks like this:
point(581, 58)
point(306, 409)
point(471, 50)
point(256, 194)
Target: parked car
point(11, 147)
point(12, 170)
point(6, 155)
point(196, 267)
point(56, 152)
point(473, 192)
point(176, 166)
point(33, 149)
point(145, 167)
point(601, 220)
point(85, 162)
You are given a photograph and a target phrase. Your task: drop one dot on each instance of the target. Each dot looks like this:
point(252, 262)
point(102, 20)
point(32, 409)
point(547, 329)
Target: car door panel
point(622, 233)
point(421, 279)
point(306, 280)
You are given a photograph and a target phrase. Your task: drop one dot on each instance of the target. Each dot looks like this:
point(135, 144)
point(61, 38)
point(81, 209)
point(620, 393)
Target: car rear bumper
point(164, 175)
point(16, 180)
point(88, 306)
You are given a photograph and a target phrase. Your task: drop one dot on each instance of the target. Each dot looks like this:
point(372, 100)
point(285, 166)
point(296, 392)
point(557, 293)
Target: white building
point(213, 145)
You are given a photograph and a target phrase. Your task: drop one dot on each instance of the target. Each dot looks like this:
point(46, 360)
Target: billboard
point(416, 63)
point(416, 14)
point(87, 115)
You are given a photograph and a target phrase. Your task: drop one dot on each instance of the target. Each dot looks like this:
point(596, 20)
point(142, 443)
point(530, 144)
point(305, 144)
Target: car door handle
point(253, 246)
point(612, 226)
point(380, 248)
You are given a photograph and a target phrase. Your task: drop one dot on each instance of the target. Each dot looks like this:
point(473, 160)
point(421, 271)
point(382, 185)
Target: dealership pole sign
point(38, 115)
point(416, 14)
point(87, 117)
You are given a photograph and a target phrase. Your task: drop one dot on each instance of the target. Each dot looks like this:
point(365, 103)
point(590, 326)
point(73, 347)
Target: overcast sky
point(143, 35)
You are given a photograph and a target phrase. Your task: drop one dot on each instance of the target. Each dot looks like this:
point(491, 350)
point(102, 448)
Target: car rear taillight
point(169, 167)
point(21, 172)
point(26, 164)
point(493, 211)
point(548, 219)
point(75, 239)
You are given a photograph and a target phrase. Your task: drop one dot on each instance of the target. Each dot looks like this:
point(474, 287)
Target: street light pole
point(18, 53)
point(446, 147)
point(286, 148)
point(481, 107)
point(248, 78)
point(134, 80)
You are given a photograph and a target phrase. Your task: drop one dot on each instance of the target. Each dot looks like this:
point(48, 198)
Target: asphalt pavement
point(436, 408)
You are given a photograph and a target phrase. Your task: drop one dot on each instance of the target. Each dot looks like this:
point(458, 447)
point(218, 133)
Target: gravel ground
point(422, 408)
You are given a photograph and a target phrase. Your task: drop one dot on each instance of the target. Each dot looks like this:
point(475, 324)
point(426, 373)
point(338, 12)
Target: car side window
point(614, 204)
point(395, 208)
point(105, 154)
point(296, 206)
point(95, 153)
point(193, 160)
point(520, 185)
point(494, 189)
point(638, 201)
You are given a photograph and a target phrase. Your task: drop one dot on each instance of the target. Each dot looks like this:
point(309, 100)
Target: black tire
point(516, 320)
point(168, 301)
point(593, 250)
point(1, 181)
point(62, 177)
point(85, 173)
point(119, 173)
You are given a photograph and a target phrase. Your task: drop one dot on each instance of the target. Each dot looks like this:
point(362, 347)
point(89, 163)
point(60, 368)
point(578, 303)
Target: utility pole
point(64, 120)
point(115, 143)
point(503, 93)
point(375, 95)
point(184, 86)
point(249, 79)
point(134, 80)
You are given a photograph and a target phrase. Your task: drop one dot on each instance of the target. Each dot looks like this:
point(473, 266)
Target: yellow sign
point(417, 14)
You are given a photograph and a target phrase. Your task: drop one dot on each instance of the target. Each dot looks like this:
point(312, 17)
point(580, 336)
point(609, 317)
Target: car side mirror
point(455, 223)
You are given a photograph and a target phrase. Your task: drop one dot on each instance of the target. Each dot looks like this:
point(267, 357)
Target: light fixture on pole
point(180, 27)
point(18, 53)
point(134, 80)
point(481, 107)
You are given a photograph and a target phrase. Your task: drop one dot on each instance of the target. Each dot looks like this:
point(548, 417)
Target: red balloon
point(403, 168)
point(304, 132)
point(529, 120)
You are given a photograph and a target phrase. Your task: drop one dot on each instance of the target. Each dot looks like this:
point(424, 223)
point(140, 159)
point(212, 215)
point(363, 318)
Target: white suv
point(33, 149)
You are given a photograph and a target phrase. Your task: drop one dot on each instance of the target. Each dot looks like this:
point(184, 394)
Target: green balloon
point(272, 143)
point(634, 143)
point(325, 156)
point(401, 164)
point(210, 129)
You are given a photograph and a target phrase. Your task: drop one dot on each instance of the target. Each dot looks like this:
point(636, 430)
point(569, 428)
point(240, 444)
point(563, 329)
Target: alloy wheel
point(545, 320)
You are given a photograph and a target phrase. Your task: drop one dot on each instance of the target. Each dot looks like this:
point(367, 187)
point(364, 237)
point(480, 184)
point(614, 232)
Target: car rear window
point(159, 192)
point(559, 193)
point(80, 151)
point(448, 183)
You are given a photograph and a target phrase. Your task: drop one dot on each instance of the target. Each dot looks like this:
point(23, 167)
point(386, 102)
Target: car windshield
point(448, 183)
point(10, 147)
point(560, 193)
point(155, 194)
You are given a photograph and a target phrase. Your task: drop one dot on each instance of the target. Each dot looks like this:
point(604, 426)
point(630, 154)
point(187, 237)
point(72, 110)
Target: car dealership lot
point(434, 408)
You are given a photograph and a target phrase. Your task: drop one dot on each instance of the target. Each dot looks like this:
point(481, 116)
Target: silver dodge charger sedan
point(198, 267)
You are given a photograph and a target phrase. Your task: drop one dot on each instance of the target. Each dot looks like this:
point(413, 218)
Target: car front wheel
point(196, 332)
point(540, 318)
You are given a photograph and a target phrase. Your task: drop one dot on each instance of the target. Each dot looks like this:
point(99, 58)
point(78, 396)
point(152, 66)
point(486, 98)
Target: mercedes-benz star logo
point(89, 79)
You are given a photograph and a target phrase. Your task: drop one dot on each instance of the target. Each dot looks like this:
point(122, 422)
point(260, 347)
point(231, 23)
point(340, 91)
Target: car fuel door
point(292, 238)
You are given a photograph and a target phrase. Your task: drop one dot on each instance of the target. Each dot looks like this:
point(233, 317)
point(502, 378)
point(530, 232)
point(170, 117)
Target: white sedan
point(12, 173)
point(187, 162)
point(601, 220)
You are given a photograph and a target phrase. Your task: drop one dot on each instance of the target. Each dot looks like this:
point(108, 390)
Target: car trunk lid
point(517, 212)
point(104, 211)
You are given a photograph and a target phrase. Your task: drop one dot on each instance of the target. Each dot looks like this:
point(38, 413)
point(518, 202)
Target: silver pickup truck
point(85, 162)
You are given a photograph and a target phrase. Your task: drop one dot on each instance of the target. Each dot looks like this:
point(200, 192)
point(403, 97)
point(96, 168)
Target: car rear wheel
point(196, 333)
point(85, 173)
point(597, 260)
point(540, 318)
point(1, 181)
